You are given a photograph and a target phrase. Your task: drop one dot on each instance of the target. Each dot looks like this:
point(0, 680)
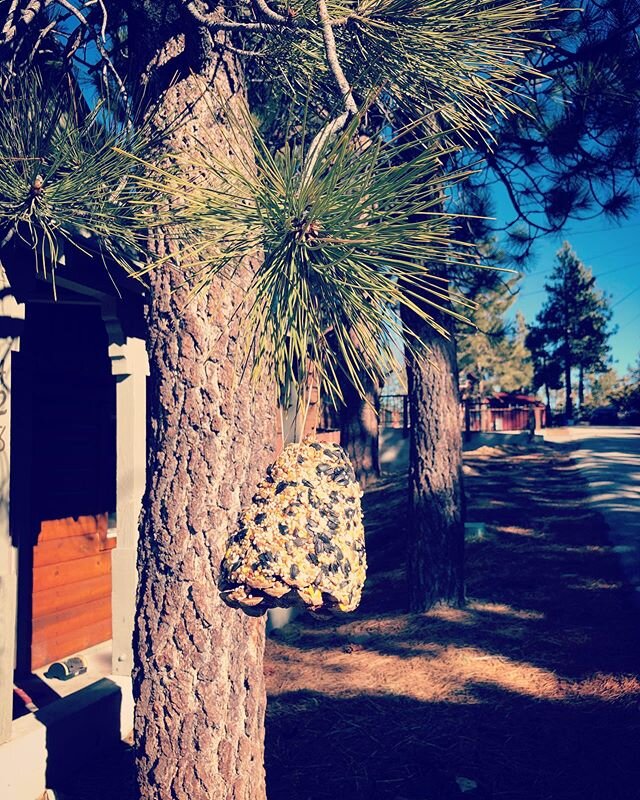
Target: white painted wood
point(131, 367)
point(11, 320)
point(64, 733)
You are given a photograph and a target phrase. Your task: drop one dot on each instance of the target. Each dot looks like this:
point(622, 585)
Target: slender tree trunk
point(436, 524)
point(568, 405)
point(567, 316)
point(581, 387)
point(359, 430)
point(548, 398)
point(435, 555)
point(198, 680)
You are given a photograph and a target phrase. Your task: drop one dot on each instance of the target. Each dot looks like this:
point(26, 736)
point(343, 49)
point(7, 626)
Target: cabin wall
point(66, 482)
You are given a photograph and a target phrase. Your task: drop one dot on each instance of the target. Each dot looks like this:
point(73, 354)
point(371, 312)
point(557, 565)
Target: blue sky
point(612, 250)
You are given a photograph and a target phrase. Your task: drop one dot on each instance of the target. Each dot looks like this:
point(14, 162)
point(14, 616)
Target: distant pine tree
point(602, 387)
point(496, 351)
point(572, 330)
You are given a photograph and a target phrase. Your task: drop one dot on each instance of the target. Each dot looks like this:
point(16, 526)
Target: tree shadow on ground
point(384, 747)
point(109, 775)
point(530, 691)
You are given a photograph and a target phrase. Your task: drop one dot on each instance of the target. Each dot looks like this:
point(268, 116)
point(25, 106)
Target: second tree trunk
point(436, 522)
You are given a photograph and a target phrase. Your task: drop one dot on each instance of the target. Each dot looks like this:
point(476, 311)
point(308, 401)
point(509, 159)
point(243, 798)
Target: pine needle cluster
point(346, 227)
point(62, 178)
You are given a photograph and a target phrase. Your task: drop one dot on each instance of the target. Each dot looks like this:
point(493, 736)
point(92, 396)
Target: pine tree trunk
point(548, 398)
point(568, 405)
point(436, 523)
point(581, 387)
point(359, 430)
point(198, 679)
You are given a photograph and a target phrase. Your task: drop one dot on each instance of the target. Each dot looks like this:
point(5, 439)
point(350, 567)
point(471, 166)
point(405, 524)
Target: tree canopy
point(575, 153)
point(317, 202)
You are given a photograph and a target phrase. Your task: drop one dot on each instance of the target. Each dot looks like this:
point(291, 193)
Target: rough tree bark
point(198, 680)
point(436, 516)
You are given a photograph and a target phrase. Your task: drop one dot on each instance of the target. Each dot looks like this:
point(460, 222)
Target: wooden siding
point(71, 587)
point(63, 462)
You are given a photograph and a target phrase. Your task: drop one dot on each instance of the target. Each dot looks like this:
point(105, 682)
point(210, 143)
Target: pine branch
point(98, 38)
point(214, 22)
point(332, 58)
point(269, 13)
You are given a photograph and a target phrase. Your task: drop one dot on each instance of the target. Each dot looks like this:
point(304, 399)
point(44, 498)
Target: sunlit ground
point(529, 692)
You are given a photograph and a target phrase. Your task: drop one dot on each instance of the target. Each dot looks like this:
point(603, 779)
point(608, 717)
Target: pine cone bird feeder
point(301, 541)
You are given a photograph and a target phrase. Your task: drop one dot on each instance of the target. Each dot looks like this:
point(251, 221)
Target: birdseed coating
point(301, 541)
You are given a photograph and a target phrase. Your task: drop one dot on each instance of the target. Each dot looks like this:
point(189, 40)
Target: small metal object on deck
point(67, 669)
point(475, 532)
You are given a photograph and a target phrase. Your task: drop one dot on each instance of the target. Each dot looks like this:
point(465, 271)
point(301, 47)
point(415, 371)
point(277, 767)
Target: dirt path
point(609, 459)
point(527, 694)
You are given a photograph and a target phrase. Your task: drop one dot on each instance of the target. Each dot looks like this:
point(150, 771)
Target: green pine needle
point(61, 180)
point(346, 226)
point(462, 61)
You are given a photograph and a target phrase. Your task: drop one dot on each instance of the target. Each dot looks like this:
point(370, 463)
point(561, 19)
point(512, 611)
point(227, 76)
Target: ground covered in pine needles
point(529, 693)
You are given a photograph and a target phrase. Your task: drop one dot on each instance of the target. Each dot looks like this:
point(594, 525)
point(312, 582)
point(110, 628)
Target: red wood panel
point(64, 528)
point(71, 587)
point(59, 551)
point(46, 650)
point(49, 601)
point(79, 569)
point(68, 619)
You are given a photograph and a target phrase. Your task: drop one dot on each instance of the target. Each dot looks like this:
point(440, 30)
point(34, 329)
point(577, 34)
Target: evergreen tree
point(515, 371)
point(626, 394)
point(574, 153)
point(496, 351)
point(572, 328)
point(602, 388)
point(547, 369)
